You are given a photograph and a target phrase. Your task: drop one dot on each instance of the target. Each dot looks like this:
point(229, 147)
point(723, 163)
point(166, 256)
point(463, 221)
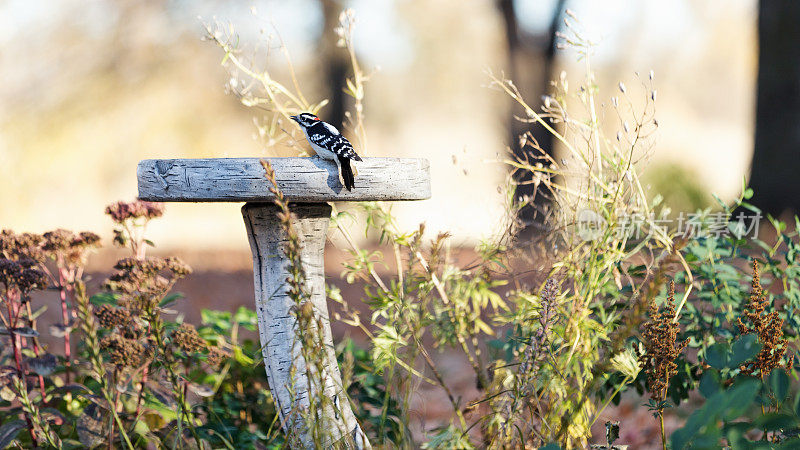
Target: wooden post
point(277, 324)
point(310, 183)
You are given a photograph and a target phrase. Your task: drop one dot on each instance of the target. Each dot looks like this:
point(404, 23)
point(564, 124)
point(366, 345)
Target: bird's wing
point(341, 146)
point(321, 139)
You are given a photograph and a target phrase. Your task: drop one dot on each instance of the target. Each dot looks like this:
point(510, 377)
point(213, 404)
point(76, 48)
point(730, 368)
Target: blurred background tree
point(531, 65)
point(776, 158)
point(334, 63)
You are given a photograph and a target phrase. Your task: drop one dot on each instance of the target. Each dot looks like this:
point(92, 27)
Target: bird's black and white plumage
point(329, 144)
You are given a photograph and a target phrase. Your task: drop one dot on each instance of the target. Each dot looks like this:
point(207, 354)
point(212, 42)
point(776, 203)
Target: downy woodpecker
point(329, 144)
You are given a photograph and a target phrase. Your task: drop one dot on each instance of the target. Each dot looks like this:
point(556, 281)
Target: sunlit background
point(89, 88)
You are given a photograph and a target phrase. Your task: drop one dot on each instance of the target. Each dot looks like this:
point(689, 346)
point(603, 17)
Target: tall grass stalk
point(90, 331)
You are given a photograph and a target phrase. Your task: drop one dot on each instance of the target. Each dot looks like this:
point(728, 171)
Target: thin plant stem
point(65, 316)
point(15, 342)
point(89, 328)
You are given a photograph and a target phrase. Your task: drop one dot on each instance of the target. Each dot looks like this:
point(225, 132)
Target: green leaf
point(220, 319)
point(710, 384)
point(104, 298)
point(776, 421)
point(700, 429)
point(246, 317)
point(169, 299)
point(745, 348)
point(735, 433)
point(696, 421)
point(797, 405)
point(790, 444)
point(717, 355)
point(740, 397)
point(70, 444)
point(35, 315)
point(779, 384)
point(241, 358)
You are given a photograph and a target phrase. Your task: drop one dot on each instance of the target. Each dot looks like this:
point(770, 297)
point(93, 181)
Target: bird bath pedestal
point(309, 183)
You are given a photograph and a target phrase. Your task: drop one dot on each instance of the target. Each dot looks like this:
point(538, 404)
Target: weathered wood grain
point(277, 322)
point(300, 179)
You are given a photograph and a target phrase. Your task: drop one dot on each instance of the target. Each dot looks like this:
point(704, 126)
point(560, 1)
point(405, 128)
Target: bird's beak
point(293, 118)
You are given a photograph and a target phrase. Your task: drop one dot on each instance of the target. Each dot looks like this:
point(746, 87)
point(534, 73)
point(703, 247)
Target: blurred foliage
point(679, 187)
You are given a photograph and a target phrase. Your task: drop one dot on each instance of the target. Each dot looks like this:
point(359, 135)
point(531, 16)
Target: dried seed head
point(143, 282)
point(187, 339)
point(124, 352)
point(768, 326)
point(21, 275)
point(122, 211)
point(622, 87)
point(111, 317)
point(21, 246)
point(216, 357)
point(659, 336)
point(73, 249)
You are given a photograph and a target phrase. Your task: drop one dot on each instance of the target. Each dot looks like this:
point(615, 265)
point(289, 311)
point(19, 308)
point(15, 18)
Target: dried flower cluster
point(122, 211)
point(186, 338)
point(216, 356)
point(70, 246)
point(659, 336)
point(22, 275)
point(124, 352)
point(768, 327)
point(111, 317)
point(59, 245)
point(132, 219)
point(143, 282)
point(21, 246)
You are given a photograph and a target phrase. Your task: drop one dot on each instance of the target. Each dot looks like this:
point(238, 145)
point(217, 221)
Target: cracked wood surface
point(309, 179)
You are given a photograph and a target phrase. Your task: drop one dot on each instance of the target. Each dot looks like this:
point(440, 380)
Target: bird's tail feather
point(347, 174)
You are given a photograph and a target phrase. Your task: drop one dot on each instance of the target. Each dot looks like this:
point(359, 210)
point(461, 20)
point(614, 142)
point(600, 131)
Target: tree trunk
point(531, 63)
point(776, 159)
point(335, 64)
